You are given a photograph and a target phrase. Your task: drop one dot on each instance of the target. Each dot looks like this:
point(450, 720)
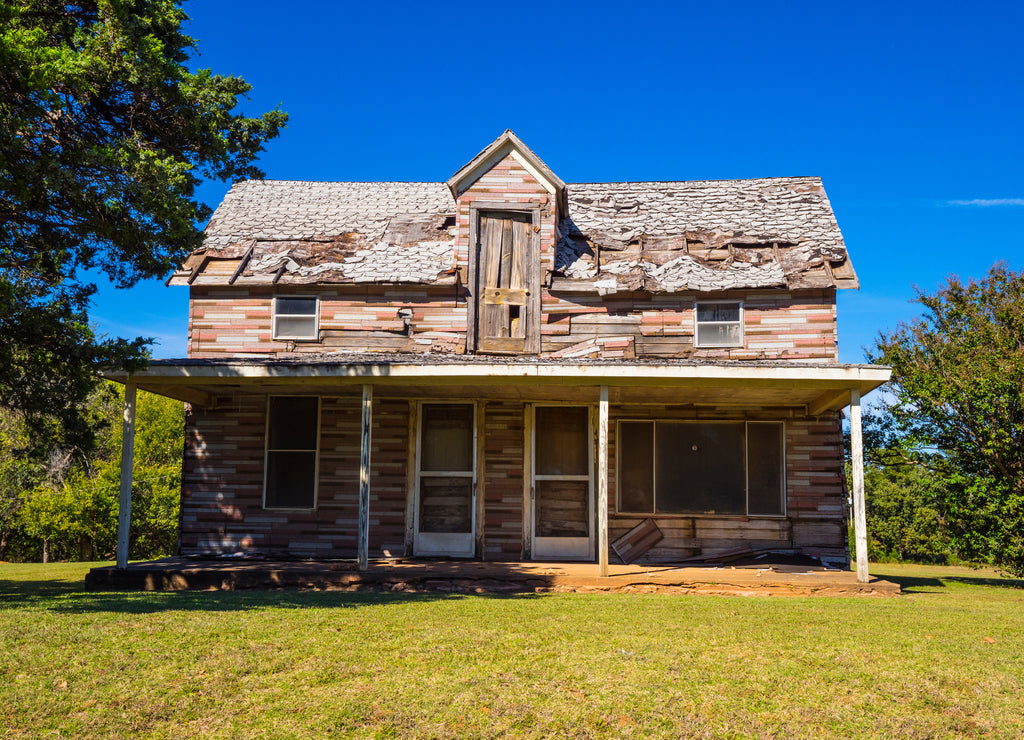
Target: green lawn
point(944, 660)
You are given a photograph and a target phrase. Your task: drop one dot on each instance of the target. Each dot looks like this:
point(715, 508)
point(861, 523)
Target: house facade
point(506, 367)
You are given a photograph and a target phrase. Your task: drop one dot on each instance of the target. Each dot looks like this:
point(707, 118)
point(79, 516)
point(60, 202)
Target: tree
point(70, 512)
point(904, 523)
point(958, 403)
point(104, 136)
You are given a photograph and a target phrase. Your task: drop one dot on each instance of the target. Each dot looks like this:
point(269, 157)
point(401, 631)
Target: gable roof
point(506, 144)
point(651, 236)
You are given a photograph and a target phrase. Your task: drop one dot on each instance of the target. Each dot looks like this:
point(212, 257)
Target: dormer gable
point(509, 145)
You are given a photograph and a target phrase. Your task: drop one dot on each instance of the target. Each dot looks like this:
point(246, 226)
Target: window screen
point(699, 468)
point(291, 452)
point(719, 324)
point(636, 465)
point(562, 440)
point(676, 467)
point(562, 471)
point(446, 468)
point(295, 318)
point(764, 469)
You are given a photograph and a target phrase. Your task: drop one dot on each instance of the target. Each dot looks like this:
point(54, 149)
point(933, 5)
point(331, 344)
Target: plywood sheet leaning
point(637, 541)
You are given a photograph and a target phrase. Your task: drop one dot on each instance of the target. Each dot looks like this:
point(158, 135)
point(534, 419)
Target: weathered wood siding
point(222, 505)
point(222, 488)
point(225, 322)
point(503, 480)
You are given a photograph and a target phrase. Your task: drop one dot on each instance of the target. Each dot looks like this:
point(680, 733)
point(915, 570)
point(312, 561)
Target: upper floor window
point(296, 318)
point(719, 324)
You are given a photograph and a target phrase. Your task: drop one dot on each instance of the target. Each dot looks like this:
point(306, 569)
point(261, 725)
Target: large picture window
point(293, 424)
point(684, 467)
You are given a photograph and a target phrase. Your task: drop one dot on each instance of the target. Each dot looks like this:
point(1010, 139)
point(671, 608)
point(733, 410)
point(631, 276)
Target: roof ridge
point(591, 182)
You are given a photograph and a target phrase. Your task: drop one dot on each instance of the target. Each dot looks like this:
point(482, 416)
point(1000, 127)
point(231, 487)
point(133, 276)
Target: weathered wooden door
point(563, 502)
point(503, 288)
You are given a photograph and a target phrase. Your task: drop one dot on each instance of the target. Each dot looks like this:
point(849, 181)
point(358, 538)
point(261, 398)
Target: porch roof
point(810, 388)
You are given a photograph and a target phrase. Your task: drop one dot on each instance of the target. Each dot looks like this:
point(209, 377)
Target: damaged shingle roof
point(652, 236)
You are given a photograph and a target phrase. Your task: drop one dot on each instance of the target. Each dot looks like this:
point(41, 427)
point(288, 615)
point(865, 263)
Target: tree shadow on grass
point(919, 585)
point(72, 598)
point(19, 593)
point(982, 581)
point(916, 584)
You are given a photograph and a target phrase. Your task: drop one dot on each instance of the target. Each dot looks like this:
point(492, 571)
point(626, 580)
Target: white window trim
point(316, 319)
point(316, 456)
point(697, 324)
point(746, 470)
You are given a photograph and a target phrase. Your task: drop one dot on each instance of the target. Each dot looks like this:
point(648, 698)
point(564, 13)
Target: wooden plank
point(505, 255)
point(637, 541)
point(473, 283)
point(363, 548)
point(243, 264)
point(521, 238)
point(505, 296)
point(501, 344)
point(480, 488)
point(602, 483)
point(124, 508)
point(490, 259)
point(411, 463)
point(527, 548)
point(533, 272)
point(857, 464)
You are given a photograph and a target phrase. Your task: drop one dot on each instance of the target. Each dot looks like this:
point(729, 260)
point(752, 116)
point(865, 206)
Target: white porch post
point(364, 479)
point(124, 506)
point(860, 528)
point(602, 483)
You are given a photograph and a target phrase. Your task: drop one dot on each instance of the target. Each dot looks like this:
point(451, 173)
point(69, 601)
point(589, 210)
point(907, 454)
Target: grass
point(944, 660)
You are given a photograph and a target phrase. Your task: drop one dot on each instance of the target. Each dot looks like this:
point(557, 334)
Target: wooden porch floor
point(764, 579)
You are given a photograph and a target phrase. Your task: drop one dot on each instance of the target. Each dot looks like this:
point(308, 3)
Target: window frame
point(697, 323)
point(316, 454)
point(746, 469)
point(274, 315)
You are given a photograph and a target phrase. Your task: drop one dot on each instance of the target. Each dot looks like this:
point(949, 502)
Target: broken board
point(637, 541)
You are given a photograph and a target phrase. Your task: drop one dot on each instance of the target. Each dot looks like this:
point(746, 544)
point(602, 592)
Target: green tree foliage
point(104, 135)
point(67, 504)
point(958, 387)
point(904, 523)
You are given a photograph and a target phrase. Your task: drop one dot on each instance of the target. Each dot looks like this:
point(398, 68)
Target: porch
point(377, 405)
point(751, 577)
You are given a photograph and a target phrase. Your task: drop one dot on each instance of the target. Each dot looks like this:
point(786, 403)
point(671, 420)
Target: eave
point(802, 389)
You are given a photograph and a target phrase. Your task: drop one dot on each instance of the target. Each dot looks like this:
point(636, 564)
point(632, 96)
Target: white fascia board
point(838, 376)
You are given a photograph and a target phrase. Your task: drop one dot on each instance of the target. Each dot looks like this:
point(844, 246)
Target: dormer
point(509, 203)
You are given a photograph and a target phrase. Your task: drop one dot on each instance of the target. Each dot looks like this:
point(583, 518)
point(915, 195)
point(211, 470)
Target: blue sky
point(912, 113)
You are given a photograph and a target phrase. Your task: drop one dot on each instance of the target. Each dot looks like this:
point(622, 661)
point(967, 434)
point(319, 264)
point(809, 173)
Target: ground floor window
point(293, 426)
point(686, 467)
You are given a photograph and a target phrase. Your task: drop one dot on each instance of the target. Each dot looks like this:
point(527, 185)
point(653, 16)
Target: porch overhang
point(805, 388)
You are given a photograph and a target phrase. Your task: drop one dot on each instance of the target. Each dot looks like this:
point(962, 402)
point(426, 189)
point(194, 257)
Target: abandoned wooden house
point(506, 367)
